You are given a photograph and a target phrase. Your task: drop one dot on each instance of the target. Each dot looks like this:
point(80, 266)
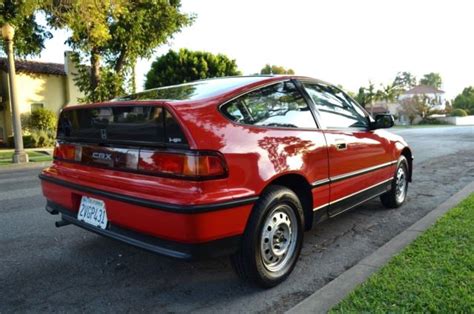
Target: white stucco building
point(435, 96)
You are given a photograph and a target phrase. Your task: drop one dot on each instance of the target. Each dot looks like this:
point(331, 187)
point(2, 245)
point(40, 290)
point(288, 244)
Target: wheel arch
point(301, 187)
point(409, 156)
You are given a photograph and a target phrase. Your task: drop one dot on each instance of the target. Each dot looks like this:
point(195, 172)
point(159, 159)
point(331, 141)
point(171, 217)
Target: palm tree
point(389, 92)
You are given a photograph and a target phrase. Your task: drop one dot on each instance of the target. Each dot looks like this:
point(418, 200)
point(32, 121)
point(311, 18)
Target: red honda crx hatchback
point(238, 166)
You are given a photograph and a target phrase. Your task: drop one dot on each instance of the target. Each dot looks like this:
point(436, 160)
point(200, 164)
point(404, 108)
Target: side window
point(279, 105)
point(335, 108)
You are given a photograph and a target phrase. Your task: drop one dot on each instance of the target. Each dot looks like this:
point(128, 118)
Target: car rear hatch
point(134, 149)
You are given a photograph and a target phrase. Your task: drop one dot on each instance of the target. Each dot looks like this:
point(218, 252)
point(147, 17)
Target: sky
point(344, 42)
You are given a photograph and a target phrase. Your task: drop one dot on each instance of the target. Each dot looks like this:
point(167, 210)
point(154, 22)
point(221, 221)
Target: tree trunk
point(134, 79)
point(95, 70)
point(120, 61)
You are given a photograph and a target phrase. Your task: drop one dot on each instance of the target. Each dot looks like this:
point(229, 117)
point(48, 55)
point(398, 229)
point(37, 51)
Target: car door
point(360, 159)
point(279, 129)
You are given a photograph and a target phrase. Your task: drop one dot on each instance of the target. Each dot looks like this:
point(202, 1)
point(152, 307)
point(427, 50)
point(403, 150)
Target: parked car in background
point(239, 166)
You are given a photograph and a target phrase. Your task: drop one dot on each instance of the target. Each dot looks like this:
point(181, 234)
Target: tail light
point(188, 164)
point(195, 165)
point(69, 152)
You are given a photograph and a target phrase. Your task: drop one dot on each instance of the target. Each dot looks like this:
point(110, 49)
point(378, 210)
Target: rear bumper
point(186, 209)
point(225, 246)
point(180, 231)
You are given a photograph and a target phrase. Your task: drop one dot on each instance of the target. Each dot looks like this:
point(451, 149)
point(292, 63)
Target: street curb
point(30, 165)
point(331, 294)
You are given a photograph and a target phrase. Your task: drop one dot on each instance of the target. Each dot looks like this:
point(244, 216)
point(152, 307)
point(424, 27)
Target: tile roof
point(34, 67)
point(423, 89)
point(377, 108)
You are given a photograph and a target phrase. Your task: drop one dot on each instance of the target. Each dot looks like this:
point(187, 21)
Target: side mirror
point(382, 121)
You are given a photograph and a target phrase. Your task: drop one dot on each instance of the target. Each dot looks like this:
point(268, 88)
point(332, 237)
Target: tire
point(272, 239)
point(398, 193)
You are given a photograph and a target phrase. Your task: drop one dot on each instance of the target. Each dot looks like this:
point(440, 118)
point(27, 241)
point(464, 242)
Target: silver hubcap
point(401, 187)
point(278, 238)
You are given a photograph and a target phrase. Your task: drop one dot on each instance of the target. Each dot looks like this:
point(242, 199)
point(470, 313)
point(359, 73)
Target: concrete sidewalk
point(331, 294)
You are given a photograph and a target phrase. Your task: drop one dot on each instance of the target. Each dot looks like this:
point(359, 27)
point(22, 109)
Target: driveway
point(43, 268)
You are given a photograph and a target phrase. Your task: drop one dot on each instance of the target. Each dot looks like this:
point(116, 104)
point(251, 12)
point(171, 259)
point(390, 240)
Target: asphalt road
point(44, 269)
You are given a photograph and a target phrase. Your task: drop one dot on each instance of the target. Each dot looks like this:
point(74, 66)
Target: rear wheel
point(272, 240)
point(398, 193)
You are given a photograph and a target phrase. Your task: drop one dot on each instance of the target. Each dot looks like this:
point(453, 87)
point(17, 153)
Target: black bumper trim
point(183, 209)
point(184, 251)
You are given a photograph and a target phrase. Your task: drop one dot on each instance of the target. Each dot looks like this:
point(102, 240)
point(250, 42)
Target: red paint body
point(255, 157)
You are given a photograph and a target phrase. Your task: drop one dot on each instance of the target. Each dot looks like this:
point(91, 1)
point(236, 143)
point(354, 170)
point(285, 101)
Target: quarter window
point(279, 105)
point(336, 109)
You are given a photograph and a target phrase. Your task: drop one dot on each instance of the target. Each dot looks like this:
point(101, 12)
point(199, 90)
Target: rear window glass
point(193, 91)
point(149, 124)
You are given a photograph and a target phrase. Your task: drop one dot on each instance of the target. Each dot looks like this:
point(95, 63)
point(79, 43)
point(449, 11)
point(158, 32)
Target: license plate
point(92, 211)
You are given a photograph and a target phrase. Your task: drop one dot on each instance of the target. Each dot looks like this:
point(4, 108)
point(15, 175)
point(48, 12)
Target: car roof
point(204, 89)
point(197, 91)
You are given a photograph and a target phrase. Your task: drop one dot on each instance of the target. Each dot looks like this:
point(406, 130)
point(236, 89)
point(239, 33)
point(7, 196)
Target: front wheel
point(272, 240)
point(398, 193)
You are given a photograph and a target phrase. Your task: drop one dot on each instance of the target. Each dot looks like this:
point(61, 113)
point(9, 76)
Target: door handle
point(341, 146)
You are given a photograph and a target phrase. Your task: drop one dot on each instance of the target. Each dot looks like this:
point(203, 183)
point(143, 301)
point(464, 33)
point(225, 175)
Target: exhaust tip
point(51, 210)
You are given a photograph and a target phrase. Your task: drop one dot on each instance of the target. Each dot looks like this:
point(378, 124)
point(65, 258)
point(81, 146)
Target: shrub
point(459, 113)
point(27, 142)
point(42, 138)
point(432, 121)
point(25, 121)
point(42, 119)
point(36, 139)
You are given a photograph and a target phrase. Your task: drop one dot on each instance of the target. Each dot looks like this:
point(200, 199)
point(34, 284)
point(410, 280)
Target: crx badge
point(102, 156)
point(103, 134)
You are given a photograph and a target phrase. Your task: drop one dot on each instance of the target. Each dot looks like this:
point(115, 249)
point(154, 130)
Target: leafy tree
point(465, 100)
point(418, 105)
point(432, 79)
point(29, 35)
point(275, 69)
point(404, 80)
point(366, 95)
point(186, 66)
point(389, 93)
point(360, 97)
point(111, 35)
point(413, 107)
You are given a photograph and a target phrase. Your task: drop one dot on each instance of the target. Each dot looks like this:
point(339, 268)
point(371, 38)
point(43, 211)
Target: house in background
point(433, 96)
point(39, 85)
point(428, 94)
point(384, 107)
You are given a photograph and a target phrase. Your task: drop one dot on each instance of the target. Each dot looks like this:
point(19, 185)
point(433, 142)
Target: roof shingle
point(34, 67)
point(422, 90)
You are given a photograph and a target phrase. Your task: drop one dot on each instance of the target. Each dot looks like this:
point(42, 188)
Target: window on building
point(36, 106)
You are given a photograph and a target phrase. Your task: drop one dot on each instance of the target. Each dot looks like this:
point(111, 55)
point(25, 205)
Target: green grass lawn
point(34, 156)
point(433, 274)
